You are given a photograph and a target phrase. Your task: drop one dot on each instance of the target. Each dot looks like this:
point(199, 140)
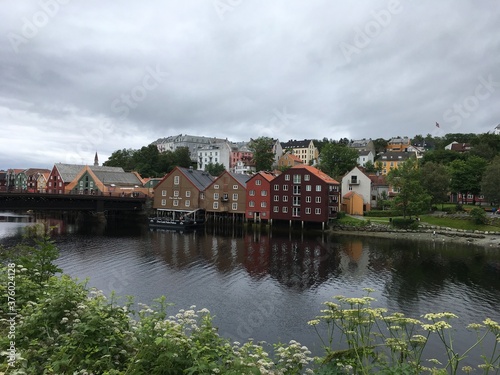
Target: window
point(276, 198)
point(354, 179)
point(235, 187)
point(235, 197)
point(308, 199)
point(276, 187)
point(318, 187)
point(188, 194)
point(263, 204)
point(296, 211)
point(216, 196)
point(285, 187)
point(308, 210)
point(251, 193)
point(234, 206)
point(287, 177)
point(263, 193)
point(216, 205)
point(202, 195)
point(296, 201)
point(225, 197)
point(176, 202)
point(163, 202)
point(176, 193)
point(251, 204)
point(307, 177)
point(308, 187)
point(296, 178)
point(296, 189)
point(276, 209)
point(258, 182)
point(176, 180)
point(187, 202)
point(317, 211)
point(60, 184)
point(284, 210)
point(318, 199)
point(285, 198)
point(163, 193)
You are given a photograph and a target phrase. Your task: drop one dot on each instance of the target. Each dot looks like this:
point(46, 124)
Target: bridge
point(70, 202)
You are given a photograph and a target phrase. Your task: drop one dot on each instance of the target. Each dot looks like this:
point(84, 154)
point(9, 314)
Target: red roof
point(317, 173)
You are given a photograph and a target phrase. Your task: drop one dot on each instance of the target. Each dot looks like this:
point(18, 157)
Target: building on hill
point(398, 144)
point(217, 153)
point(363, 145)
point(370, 187)
point(497, 130)
point(365, 157)
point(458, 147)
point(289, 160)
point(391, 160)
point(193, 142)
point(303, 149)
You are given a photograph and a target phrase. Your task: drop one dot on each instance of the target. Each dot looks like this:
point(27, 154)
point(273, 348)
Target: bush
point(404, 223)
point(381, 213)
point(478, 216)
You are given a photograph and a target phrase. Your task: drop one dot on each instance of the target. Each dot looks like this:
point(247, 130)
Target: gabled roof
point(200, 179)
point(378, 180)
point(117, 178)
point(316, 172)
point(68, 172)
point(266, 175)
point(296, 144)
point(293, 157)
point(396, 156)
point(33, 171)
point(364, 153)
point(241, 178)
point(351, 194)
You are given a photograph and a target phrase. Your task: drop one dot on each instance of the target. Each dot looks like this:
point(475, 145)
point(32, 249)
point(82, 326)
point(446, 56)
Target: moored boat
point(177, 219)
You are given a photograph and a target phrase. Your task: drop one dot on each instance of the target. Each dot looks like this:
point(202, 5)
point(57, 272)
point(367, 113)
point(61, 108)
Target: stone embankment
point(424, 232)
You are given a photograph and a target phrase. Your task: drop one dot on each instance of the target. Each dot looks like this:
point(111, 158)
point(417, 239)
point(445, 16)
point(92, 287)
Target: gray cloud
point(79, 77)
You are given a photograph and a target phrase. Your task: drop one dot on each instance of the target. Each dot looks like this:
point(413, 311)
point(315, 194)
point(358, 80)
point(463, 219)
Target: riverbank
point(435, 234)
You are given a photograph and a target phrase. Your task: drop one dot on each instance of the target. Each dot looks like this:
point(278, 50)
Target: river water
point(266, 285)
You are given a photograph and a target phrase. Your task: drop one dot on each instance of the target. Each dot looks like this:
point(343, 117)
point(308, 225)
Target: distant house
point(289, 160)
point(36, 180)
point(217, 153)
point(241, 158)
point(304, 194)
point(352, 203)
point(398, 144)
point(365, 157)
point(192, 142)
point(182, 189)
point(497, 130)
point(3, 181)
point(391, 160)
point(379, 190)
point(258, 201)
point(363, 145)
point(226, 195)
point(304, 150)
point(458, 147)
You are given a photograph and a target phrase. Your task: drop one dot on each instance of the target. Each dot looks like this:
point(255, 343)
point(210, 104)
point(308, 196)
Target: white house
point(497, 130)
point(356, 180)
point(364, 157)
point(217, 153)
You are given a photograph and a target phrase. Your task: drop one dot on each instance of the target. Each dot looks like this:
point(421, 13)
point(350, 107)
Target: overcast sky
point(84, 76)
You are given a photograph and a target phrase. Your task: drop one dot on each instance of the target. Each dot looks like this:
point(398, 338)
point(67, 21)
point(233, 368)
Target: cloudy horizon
point(80, 77)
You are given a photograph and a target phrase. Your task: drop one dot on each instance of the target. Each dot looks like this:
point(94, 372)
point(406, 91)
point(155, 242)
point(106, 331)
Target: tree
point(263, 155)
point(215, 169)
point(491, 181)
point(370, 167)
point(380, 145)
point(436, 181)
point(411, 198)
point(466, 176)
point(146, 161)
point(121, 158)
point(337, 159)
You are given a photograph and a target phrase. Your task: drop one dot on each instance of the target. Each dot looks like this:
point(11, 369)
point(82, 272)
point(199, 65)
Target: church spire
point(96, 160)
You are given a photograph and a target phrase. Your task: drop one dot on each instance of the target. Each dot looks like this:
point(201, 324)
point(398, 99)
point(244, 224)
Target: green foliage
point(378, 342)
point(337, 159)
point(404, 223)
point(466, 175)
point(263, 155)
point(491, 181)
point(436, 180)
point(411, 198)
point(215, 169)
point(478, 216)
